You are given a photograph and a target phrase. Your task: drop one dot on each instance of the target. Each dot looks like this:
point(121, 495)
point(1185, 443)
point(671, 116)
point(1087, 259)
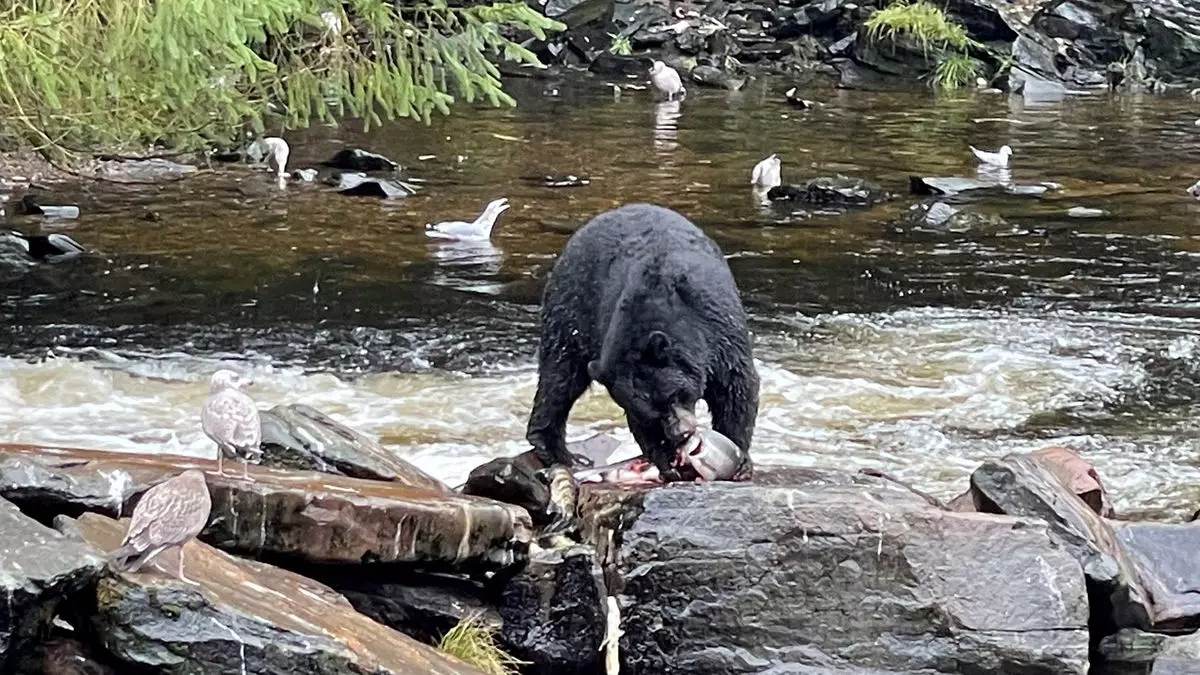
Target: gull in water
point(766, 173)
point(1195, 190)
point(230, 419)
point(666, 79)
point(274, 149)
point(478, 230)
point(169, 514)
point(999, 158)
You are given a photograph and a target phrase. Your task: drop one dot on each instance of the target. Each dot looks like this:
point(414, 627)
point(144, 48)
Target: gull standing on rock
point(999, 158)
point(479, 230)
point(272, 148)
point(666, 79)
point(230, 419)
point(169, 514)
point(766, 173)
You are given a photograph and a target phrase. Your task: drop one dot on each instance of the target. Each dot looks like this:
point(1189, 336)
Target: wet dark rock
point(773, 51)
point(64, 655)
point(15, 261)
point(1022, 485)
point(512, 480)
point(39, 570)
point(299, 437)
point(357, 159)
point(813, 571)
point(607, 63)
point(424, 607)
point(297, 515)
point(832, 191)
point(1173, 36)
point(49, 247)
point(1165, 555)
point(31, 205)
point(553, 612)
point(950, 185)
point(715, 77)
point(362, 185)
point(243, 616)
point(1137, 652)
point(939, 220)
point(305, 175)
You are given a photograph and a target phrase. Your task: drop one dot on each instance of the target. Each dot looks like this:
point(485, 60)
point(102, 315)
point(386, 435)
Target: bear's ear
point(657, 346)
point(593, 368)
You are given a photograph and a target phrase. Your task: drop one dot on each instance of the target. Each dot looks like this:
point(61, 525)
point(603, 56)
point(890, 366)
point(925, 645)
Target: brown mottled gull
point(230, 419)
point(169, 514)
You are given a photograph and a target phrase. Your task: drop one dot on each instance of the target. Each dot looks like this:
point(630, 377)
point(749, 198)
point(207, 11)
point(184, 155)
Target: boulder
point(808, 571)
point(301, 515)
point(832, 191)
point(1136, 652)
point(39, 569)
point(1021, 485)
point(553, 612)
point(423, 606)
point(299, 437)
point(242, 616)
point(1165, 556)
point(939, 220)
point(1172, 29)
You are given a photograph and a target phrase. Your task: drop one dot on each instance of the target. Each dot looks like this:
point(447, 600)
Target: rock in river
point(38, 569)
point(832, 191)
point(243, 616)
point(309, 516)
point(1165, 555)
point(299, 437)
point(824, 572)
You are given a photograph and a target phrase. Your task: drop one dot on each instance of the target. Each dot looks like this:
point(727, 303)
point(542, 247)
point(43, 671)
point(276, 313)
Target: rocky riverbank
point(1049, 46)
point(801, 571)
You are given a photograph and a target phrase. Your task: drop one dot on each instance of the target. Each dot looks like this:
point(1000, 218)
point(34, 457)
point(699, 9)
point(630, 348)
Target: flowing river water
point(919, 357)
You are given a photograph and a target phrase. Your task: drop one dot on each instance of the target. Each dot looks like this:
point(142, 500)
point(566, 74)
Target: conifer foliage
point(78, 74)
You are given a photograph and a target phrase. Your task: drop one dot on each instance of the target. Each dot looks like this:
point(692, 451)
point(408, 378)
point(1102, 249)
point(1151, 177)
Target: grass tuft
point(920, 21)
point(471, 641)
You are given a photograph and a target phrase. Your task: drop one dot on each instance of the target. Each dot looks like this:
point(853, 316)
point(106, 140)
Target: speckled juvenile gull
point(230, 419)
point(999, 158)
point(169, 514)
point(478, 230)
point(766, 173)
point(666, 79)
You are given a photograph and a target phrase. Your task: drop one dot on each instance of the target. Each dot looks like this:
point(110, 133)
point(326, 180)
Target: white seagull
point(478, 230)
point(274, 149)
point(766, 173)
point(666, 79)
point(999, 158)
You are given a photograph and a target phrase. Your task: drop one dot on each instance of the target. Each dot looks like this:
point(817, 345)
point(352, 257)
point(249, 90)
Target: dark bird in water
point(794, 98)
point(230, 419)
point(169, 514)
point(47, 246)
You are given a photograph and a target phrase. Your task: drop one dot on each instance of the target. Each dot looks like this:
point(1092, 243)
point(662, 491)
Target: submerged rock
point(315, 517)
point(39, 569)
point(362, 185)
point(832, 191)
point(1021, 485)
point(243, 616)
point(299, 437)
point(553, 612)
point(357, 159)
point(813, 571)
point(939, 220)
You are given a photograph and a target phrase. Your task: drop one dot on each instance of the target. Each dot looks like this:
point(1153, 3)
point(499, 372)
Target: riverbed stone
point(242, 616)
point(1165, 555)
point(553, 612)
point(832, 191)
point(307, 516)
point(809, 571)
point(299, 437)
point(1019, 484)
point(39, 569)
point(1131, 651)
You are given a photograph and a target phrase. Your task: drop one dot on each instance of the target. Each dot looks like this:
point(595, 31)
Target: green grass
point(471, 641)
point(920, 21)
point(954, 71)
point(620, 45)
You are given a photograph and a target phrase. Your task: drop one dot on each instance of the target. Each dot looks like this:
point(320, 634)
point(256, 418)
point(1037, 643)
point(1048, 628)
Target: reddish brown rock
point(1078, 475)
point(312, 516)
point(242, 616)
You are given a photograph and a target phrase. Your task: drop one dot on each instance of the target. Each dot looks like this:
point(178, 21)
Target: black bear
point(643, 302)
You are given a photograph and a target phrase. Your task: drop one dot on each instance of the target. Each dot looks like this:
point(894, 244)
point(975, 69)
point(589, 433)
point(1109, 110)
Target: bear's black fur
point(643, 302)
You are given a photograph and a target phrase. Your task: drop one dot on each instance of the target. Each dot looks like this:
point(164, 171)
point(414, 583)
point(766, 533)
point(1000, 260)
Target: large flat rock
point(312, 516)
point(242, 616)
point(38, 569)
point(1166, 555)
point(826, 572)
